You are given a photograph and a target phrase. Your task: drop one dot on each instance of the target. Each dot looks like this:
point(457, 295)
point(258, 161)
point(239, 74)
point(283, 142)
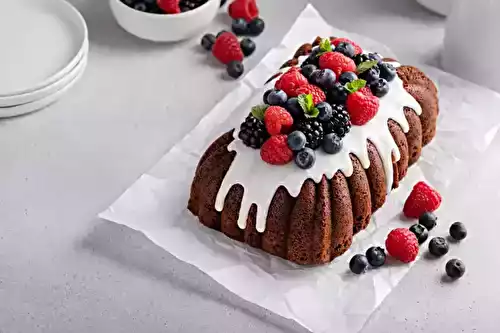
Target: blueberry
point(375, 56)
point(323, 78)
point(266, 94)
point(247, 46)
point(359, 58)
point(455, 268)
point(129, 3)
point(376, 256)
point(221, 32)
point(346, 49)
point(325, 111)
point(277, 97)
point(428, 220)
point(370, 75)
point(141, 6)
point(312, 59)
point(421, 232)
point(297, 141)
point(379, 87)
point(235, 69)
point(305, 158)
point(338, 94)
point(256, 26)
point(438, 246)
point(387, 71)
point(208, 41)
point(458, 231)
point(294, 108)
point(358, 264)
point(347, 77)
point(332, 144)
point(307, 70)
point(239, 26)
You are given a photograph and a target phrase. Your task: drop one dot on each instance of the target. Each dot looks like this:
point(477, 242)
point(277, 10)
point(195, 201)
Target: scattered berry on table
point(308, 70)
point(278, 120)
point(266, 95)
point(253, 132)
point(347, 77)
point(346, 49)
point(169, 6)
point(358, 264)
point(141, 6)
point(313, 131)
point(421, 232)
point(402, 244)
point(323, 78)
point(387, 71)
point(247, 46)
point(239, 26)
point(458, 231)
point(455, 268)
point(362, 106)
point(275, 150)
point(305, 158)
point(338, 94)
point(235, 69)
point(339, 123)
point(244, 9)
point(290, 81)
point(296, 141)
point(428, 220)
point(292, 105)
point(337, 62)
point(360, 58)
point(227, 48)
point(325, 111)
point(379, 87)
point(438, 246)
point(375, 56)
point(256, 26)
point(376, 256)
point(208, 41)
point(370, 75)
point(332, 144)
point(422, 198)
point(277, 97)
point(357, 48)
point(221, 32)
point(317, 94)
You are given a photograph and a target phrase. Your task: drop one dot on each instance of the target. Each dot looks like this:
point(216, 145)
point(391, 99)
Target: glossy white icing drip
point(261, 180)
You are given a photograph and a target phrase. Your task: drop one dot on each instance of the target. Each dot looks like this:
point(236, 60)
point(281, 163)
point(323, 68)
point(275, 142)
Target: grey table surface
point(64, 270)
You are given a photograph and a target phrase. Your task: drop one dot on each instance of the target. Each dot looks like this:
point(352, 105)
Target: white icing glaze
point(261, 180)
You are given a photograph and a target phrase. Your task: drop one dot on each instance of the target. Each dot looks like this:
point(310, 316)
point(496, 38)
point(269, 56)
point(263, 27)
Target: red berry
point(169, 6)
point(362, 106)
point(227, 48)
point(245, 9)
point(277, 120)
point(357, 48)
point(423, 198)
point(317, 94)
point(290, 81)
point(275, 150)
point(402, 244)
point(337, 62)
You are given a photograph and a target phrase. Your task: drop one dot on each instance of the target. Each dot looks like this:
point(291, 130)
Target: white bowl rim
point(155, 16)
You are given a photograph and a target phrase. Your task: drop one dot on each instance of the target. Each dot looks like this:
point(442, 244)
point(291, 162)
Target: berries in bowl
point(164, 20)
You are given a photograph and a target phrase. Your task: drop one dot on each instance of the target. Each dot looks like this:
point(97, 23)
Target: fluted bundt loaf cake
point(306, 170)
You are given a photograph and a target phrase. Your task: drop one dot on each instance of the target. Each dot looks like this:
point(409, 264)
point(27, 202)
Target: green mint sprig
point(307, 104)
point(259, 110)
point(364, 66)
point(355, 85)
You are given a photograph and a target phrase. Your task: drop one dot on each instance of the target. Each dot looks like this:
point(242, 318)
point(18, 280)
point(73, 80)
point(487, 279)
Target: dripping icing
point(261, 180)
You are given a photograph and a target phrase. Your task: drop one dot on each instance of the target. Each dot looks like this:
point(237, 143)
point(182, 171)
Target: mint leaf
point(313, 113)
point(355, 85)
point(305, 102)
point(259, 110)
point(364, 66)
point(325, 45)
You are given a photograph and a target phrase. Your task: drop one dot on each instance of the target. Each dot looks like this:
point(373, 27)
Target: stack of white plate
point(43, 53)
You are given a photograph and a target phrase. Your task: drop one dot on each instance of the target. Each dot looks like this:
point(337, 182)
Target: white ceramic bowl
point(442, 7)
point(164, 28)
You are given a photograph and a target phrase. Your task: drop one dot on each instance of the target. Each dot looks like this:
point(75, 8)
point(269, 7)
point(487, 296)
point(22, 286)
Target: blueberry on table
point(235, 69)
point(421, 232)
point(332, 144)
point(208, 41)
point(379, 87)
point(296, 141)
point(256, 26)
point(277, 97)
point(247, 46)
point(455, 268)
point(428, 220)
point(239, 26)
point(458, 231)
point(358, 264)
point(376, 256)
point(347, 77)
point(305, 158)
point(438, 246)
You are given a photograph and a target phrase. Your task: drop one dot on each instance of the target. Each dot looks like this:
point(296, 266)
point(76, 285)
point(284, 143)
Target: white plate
point(44, 102)
point(28, 97)
point(40, 41)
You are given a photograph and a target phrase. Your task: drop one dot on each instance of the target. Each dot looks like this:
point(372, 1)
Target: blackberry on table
point(313, 131)
point(339, 123)
point(253, 132)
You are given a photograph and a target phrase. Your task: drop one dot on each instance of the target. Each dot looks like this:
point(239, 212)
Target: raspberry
point(244, 9)
point(362, 106)
point(227, 48)
point(402, 244)
point(357, 48)
point(277, 120)
point(317, 94)
point(169, 6)
point(337, 62)
point(290, 81)
point(423, 198)
point(275, 151)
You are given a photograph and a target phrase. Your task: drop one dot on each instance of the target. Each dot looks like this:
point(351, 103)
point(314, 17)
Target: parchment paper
point(322, 299)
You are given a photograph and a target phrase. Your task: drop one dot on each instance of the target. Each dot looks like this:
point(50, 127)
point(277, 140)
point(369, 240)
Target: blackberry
point(361, 58)
point(253, 132)
point(339, 123)
point(313, 132)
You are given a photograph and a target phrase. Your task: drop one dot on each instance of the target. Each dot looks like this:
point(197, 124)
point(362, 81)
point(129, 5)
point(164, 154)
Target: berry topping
point(227, 48)
point(208, 41)
point(239, 26)
point(455, 268)
point(358, 264)
point(290, 81)
point(323, 78)
point(277, 97)
point(256, 26)
point(277, 120)
point(428, 220)
point(313, 131)
point(253, 132)
point(305, 158)
point(275, 151)
point(142, 7)
point(375, 56)
point(169, 6)
point(338, 94)
point(296, 141)
point(292, 105)
point(244, 9)
point(247, 46)
point(360, 58)
point(376, 256)
point(423, 198)
point(266, 94)
point(235, 69)
point(402, 244)
point(370, 75)
point(308, 70)
point(379, 87)
point(313, 58)
point(362, 106)
point(339, 123)
point(337, 62)
point(332, 144)
point(438, 246)
point(318, 95)
point(421, 232)
point(387, 71)
point(347, 77)
point(458, 231)
point(357, 48)
point(346, 49)
point(221, 32)
point(325, 111)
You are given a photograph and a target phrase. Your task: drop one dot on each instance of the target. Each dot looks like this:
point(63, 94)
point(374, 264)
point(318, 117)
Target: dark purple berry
point(332, 144)
point(277, 97)
point(296, 141)
point(239, 26)
point(376, 256)
point(305, 158)
point(325, 111)
point(247, 46)
point(358, 264)
point(308, 70)
point(208, 41)
point(379, 87)
point(256, 26)
point(420, 231)
point(458, 231)
point(347, 77)
point(235, 69)
point(387, 71)
point(455, 268)
point(428, 220)
point(438, 246)
point(346, 49)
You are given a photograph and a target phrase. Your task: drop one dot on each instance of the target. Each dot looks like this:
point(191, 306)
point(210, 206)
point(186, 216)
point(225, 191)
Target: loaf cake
point(305, 171)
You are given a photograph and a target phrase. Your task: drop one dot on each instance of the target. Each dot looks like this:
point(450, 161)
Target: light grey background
point(64, 270)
